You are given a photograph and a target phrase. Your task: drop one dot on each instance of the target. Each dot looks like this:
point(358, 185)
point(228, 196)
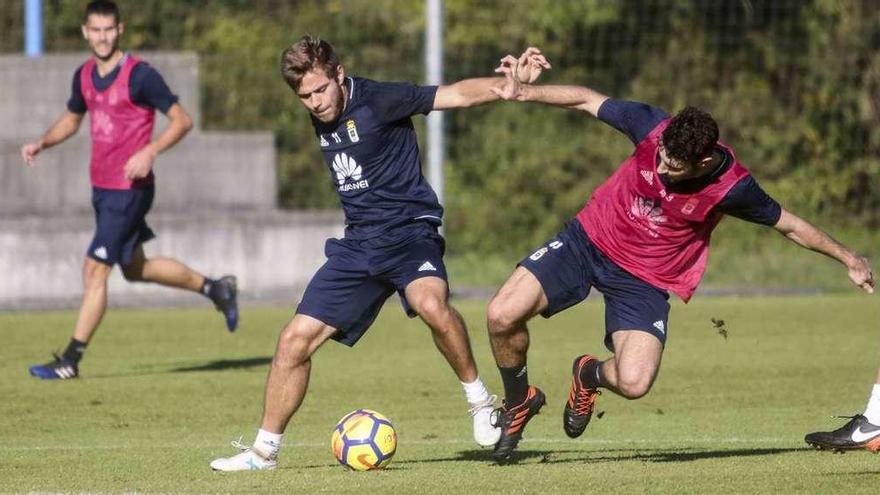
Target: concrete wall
point(273, 254)
point(34, 91)
point(204, 171)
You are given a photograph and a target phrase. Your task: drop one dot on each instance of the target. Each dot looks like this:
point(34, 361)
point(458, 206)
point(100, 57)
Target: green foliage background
point(794, 84)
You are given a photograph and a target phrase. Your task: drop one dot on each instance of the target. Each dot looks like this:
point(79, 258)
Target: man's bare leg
point(429, 298)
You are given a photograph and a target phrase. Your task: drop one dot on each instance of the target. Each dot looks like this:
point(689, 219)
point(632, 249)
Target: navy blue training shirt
point(745, 200)
point(146, 87)
point(373, 156)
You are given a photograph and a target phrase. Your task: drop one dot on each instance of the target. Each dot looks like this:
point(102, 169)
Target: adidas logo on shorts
point(427, 267)
point(660, 326)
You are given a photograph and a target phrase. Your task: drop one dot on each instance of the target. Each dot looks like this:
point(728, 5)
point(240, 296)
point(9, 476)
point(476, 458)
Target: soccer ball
point(364, 440)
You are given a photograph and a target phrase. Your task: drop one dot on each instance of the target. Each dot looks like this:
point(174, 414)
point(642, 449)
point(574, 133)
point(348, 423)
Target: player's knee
point(293, 345)
point(95, 274)
point(634, 385)
point(499, 318)
point(430, 308)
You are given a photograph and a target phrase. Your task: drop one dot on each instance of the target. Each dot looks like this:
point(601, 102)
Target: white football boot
point(248, 459)
point(485, 432)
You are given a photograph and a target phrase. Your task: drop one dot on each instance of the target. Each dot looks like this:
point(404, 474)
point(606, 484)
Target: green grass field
point(164, 391)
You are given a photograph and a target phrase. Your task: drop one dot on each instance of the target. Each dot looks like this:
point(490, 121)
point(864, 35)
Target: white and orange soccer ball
point(363, 440)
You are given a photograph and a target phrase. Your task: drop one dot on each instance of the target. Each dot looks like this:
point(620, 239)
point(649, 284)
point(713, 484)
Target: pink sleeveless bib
point(658, 236)
point(119, 128)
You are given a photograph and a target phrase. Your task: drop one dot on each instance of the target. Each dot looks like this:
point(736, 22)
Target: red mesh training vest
point(658, 236)
point(119, 127)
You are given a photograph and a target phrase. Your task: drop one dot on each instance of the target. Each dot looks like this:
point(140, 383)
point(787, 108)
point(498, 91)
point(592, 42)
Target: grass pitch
point(163, 392)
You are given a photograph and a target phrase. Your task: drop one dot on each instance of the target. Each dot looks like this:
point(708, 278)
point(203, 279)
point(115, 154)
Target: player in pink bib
point(121, 95)
point(643, 233)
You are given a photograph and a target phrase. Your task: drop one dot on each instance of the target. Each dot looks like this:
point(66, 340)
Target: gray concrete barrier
point(35, 90)
point(273, 253)
point(205, 171)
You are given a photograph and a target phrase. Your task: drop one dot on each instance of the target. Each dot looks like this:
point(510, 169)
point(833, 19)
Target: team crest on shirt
point(690, 206)
point(348, 173)
point(324, 142)
point(352, 131)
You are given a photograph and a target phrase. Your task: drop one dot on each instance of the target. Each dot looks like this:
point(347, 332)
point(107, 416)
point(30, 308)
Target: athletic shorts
point(348, 291)
point(120, 223)
point(570, 265)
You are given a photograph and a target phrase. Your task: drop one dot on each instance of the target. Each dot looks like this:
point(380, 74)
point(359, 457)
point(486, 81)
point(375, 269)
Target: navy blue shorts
point(348, 291)
point(570, 265)
point(120, 223)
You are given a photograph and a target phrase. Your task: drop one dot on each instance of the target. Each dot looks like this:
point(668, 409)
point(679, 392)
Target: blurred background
point(794, 85)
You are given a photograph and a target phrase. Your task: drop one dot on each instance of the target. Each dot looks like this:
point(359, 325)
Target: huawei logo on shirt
point(648, 213)
point(348, 173)
point(102, 123)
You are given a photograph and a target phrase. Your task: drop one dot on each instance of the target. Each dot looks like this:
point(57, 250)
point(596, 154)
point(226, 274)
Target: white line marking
point(676, 444)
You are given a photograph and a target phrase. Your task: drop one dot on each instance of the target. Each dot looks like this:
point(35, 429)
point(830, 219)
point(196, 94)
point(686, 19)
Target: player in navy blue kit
point(391, 242)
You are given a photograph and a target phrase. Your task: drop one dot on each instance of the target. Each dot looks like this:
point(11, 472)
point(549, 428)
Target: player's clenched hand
point(530, 65)
point(29, 153)
point(140, 164)
point(861, 274)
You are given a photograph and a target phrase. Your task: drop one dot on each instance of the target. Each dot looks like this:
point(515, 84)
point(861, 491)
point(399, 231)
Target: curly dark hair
point(691, 135)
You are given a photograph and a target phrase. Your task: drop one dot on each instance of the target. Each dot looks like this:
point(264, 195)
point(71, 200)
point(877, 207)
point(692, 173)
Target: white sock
point(268, 443)
point(475, 392)
point(872, 412)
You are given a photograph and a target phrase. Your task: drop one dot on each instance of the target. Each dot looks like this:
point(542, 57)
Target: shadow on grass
point(579, 456)
point(857, 473)
point(226, 364)
point(219, 365)
point(570, 456)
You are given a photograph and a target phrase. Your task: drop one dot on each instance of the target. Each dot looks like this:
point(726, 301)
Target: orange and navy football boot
point(579, 407)
point(513, 421)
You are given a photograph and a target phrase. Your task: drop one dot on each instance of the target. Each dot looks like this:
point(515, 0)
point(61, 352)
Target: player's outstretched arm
point(63, 128)
point(807, 235)
point(515, 88)
point(467, 93)
point(472, 92)
point(140, 164)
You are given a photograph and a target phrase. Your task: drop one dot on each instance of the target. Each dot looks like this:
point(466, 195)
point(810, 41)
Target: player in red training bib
point(121, 94)
point(643, 234)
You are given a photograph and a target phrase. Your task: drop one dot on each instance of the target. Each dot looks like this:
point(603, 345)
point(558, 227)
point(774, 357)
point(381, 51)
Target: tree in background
point(794, 84)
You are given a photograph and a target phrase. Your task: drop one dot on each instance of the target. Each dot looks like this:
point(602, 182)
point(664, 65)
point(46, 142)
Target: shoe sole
point(873, 446)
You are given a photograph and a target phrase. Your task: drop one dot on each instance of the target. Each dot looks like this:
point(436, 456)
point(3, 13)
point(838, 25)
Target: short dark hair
point(102, 8)
point(306, 54)
point(691, 135)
